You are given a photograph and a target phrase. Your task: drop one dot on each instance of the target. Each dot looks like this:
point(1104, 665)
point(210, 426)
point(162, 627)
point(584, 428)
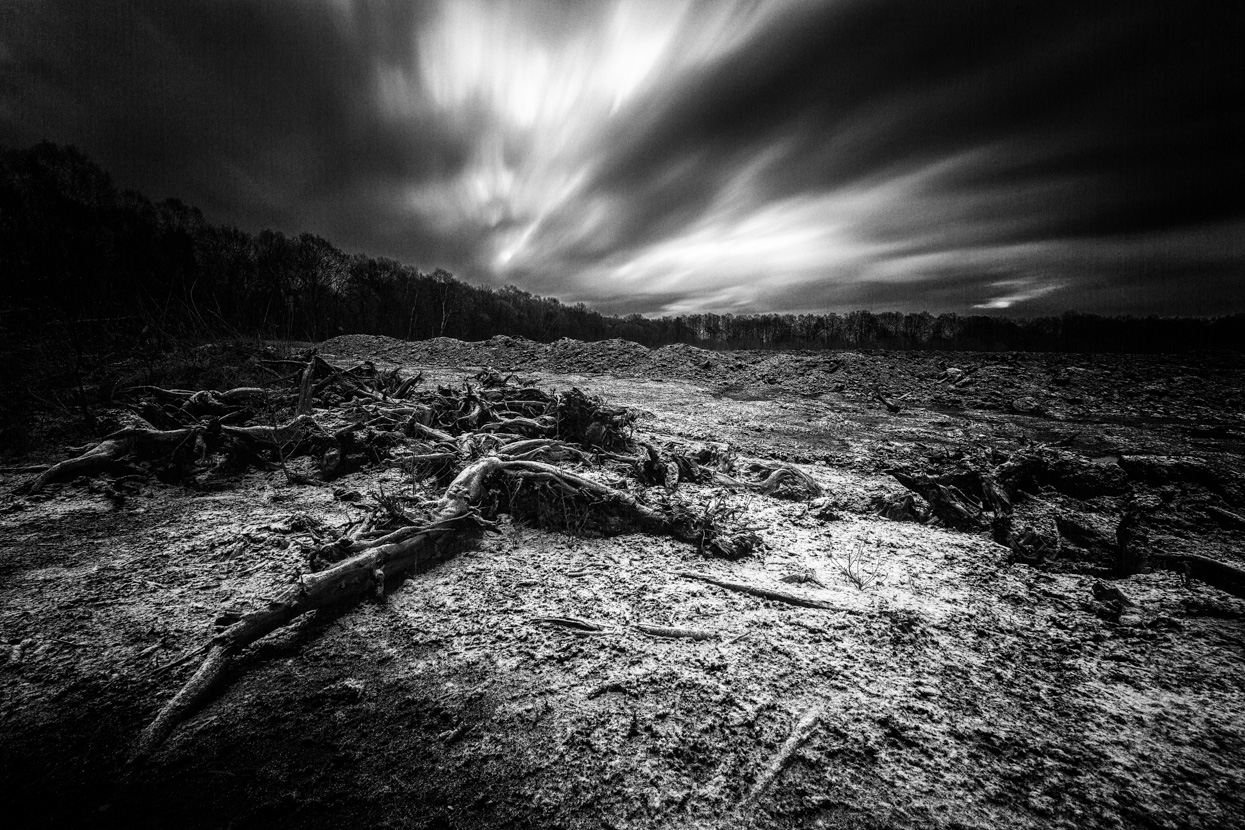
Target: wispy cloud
point(664, 156)
point(1012, 292)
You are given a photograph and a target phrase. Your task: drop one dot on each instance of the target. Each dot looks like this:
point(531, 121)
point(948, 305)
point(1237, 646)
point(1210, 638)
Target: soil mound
point(1034, 385)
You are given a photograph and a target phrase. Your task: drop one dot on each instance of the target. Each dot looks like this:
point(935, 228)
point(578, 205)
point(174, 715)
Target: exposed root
point(346, 581)
point(804, 728)
point(677, 633)
point(772, 594)
point(780, 476)
point(495, 449)
point(134, 441)
point(574, 623)
point(274, 436)
point(717, 528)
point(371, 562)
point(947, 501)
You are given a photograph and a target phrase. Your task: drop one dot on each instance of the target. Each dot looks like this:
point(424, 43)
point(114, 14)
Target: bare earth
point(957, 690)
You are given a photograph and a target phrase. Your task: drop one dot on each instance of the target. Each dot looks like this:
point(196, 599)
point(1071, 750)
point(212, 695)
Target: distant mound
point(614, 356)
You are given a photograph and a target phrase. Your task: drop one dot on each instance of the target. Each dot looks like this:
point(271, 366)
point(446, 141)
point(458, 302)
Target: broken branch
point(764, 593)
point(684, 633)
point(803, 730)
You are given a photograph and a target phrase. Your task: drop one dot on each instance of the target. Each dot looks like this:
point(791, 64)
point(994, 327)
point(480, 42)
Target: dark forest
point(101, 268)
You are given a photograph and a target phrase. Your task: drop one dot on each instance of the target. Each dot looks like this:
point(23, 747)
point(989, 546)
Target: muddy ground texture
point(958, 682)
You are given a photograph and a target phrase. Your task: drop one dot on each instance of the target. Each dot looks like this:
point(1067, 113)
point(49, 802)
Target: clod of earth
point(972, 496)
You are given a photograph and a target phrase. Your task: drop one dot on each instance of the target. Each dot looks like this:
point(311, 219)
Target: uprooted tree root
point(388, 556)
point(496, 447)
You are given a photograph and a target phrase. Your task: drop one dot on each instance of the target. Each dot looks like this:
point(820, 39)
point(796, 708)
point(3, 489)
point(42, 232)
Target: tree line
point(77, 253)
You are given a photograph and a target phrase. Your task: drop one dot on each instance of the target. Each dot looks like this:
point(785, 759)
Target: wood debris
point(773, 594)
point(673, 632)
point(803, 729)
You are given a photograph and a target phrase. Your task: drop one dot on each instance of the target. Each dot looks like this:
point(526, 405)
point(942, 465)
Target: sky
point(684, 156)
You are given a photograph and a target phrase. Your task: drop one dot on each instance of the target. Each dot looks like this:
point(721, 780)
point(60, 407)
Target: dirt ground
point(955, 688)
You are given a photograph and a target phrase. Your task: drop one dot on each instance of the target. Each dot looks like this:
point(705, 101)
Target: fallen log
point(350, 579)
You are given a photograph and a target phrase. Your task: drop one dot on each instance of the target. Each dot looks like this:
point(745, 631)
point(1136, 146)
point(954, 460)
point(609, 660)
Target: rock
point(1031, 545)
point(1110, 593)
point(1162, 622)
point(1085, 536)
point(227, 618)
point(823, 508)
point(343, 494)
point(801, 576)
point(1027, 406)
point(1077, 476)
point(1103, 611)
point(349, 690)
point(1166, 469)
point(899, 508)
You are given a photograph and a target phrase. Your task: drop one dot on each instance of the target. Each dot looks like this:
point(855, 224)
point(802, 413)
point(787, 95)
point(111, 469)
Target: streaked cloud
point(684, 155)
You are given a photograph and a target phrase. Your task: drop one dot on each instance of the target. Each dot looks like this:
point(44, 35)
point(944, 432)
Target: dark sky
point(669, 157)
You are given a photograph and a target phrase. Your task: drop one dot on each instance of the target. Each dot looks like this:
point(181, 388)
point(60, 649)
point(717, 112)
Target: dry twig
point(858, 568)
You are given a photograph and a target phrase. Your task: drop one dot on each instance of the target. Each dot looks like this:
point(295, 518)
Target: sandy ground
point(955, 689)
